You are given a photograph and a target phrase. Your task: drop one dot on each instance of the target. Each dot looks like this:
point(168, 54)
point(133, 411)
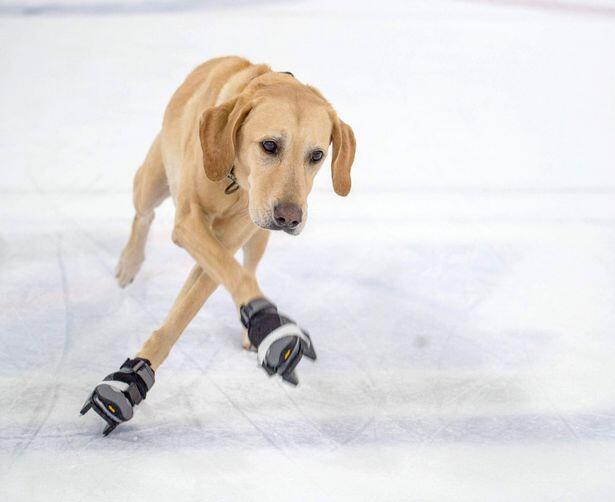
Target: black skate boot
point(116, 396)
point(280, 342)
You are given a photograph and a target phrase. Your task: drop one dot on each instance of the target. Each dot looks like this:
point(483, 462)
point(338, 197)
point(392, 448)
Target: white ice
point(461, 299)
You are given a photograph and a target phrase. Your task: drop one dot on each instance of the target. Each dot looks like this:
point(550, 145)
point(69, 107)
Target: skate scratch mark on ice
point(358, 432)
point(436, 433)
point(361, 367)
point(378, 403)
point(237, 407)
point(245, 415)
point(14, 312)
point(348, 320)
point(469, 387)
point(305, 417)
point(35, 428)
point(596, 426)
point(188, 401)
point(186, 397)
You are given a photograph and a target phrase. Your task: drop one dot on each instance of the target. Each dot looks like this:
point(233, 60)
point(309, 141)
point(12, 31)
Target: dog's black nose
point(287, 215)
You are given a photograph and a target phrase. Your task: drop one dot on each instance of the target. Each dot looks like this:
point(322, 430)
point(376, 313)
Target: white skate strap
point(120, 386)
point(290, 329)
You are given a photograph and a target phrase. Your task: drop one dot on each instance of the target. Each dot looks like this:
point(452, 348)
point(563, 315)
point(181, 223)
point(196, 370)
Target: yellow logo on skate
point(287, 354)
point(111, 408)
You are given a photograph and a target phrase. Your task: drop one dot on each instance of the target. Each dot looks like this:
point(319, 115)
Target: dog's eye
point(270, 147)
point(316, 156)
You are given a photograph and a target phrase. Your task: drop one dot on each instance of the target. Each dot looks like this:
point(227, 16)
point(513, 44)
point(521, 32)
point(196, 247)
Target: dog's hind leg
point(149, 190)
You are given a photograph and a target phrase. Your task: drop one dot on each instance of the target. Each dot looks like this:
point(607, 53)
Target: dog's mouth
point(271, 225)
point(268, 223)
point(291, 231)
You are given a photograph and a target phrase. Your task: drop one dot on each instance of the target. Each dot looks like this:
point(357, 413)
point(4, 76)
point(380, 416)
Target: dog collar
point(233, 185)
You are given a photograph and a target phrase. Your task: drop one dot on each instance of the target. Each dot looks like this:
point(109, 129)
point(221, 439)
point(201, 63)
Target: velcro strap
point(137, 375)
point(249, 310)
point(134, 388)
point(145, 372)
point(134, 394)
point(143, 369)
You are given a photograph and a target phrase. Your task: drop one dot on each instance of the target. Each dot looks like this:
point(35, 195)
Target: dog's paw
point(245, 341)
point(127, 268)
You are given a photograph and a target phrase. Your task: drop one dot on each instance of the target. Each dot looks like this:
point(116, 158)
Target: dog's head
point(276, 134)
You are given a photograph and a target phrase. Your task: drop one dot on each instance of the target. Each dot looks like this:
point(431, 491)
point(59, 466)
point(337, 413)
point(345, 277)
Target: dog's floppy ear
point(344, 147)
point(218, 128)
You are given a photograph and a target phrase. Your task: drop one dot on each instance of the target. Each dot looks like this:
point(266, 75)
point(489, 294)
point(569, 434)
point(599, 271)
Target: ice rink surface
point(461, 299)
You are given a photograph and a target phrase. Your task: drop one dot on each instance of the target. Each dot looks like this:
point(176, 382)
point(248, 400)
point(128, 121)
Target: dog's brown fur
point(217, 119)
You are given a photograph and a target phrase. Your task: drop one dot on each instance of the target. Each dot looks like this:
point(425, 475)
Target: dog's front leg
point(193, 233)
point(233, 233)
point(280, 342)
point(197, 288)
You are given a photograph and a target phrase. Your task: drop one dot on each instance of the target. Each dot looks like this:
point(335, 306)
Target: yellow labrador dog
point(238, 151)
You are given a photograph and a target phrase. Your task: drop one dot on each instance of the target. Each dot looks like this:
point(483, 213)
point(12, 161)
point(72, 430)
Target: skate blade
point(291, 378)
point(308, 350)
point(86, 407)
point(91, 404)
point(110, 427)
